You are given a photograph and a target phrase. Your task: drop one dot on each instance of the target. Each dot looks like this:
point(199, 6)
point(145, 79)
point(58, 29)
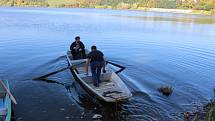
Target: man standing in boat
point(78, 49)
point(96, 60)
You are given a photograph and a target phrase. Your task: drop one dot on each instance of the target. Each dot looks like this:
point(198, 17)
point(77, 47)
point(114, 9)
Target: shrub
point(123, 6)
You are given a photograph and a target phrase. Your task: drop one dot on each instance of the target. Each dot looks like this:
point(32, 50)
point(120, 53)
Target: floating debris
point(67, 117)
point(188, 115)
point(167, 91)
point(62, 109)
point(20, 119)
point(97, 116)
point(82, 115)
point(44, 111)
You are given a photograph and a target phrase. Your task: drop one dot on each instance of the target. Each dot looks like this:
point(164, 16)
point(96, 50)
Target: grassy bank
point(211, 114)
point(207, 113)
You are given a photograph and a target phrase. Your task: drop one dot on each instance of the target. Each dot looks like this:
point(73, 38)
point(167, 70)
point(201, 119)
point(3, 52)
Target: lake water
point(158, 49)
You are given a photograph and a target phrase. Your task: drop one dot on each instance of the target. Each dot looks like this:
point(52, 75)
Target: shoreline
point(165, 10)
point(206, 113)
point(160, 10)
point(181, 11)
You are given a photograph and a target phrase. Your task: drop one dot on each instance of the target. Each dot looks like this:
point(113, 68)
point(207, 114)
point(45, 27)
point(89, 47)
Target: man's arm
point(82, 45)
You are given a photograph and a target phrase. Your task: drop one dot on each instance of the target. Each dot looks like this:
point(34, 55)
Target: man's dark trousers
point(96, 67)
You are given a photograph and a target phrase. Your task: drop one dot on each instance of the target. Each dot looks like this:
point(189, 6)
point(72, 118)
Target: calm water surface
point(158, 49)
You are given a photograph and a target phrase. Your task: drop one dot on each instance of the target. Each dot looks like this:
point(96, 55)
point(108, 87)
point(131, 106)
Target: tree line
point(35, 3)
point(207, 5)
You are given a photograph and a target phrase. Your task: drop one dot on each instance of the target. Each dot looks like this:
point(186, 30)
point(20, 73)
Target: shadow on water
point(50, 65)
point(33, 70)
point(67, 86)
point(109, 111)
point(90, 105)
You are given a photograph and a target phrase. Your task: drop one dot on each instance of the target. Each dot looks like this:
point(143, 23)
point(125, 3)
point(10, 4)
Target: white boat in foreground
point(111, 88)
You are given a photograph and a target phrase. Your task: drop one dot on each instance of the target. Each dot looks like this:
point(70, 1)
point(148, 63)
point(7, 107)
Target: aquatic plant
point(166, 90)
point(211, 114)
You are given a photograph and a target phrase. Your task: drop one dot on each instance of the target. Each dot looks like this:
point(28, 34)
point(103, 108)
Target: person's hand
point(74, 48)
point(80, 49)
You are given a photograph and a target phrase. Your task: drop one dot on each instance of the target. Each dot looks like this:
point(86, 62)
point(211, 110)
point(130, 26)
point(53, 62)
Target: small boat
point(5, 101)
point(111, 89)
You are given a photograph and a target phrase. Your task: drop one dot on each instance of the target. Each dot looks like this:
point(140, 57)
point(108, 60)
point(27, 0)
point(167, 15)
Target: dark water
point(158, 49)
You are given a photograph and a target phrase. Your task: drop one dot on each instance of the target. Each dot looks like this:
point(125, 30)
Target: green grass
point(211, 114)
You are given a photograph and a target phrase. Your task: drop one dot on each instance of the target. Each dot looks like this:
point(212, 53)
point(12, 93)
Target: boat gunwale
point(7, 103)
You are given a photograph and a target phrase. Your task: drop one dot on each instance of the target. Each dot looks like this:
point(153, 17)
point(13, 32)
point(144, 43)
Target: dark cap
point(77, 38)
point(93, 47)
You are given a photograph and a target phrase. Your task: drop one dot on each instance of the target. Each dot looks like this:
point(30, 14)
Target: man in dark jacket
point(78, 49)
point(96, 60)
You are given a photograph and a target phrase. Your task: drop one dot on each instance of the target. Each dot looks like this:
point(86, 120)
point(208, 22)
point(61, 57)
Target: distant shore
point(168, 6)
point(162, 10)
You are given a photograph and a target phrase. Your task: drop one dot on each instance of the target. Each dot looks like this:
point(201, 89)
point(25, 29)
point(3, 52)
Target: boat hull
point(98, 92)
point(6, 101)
